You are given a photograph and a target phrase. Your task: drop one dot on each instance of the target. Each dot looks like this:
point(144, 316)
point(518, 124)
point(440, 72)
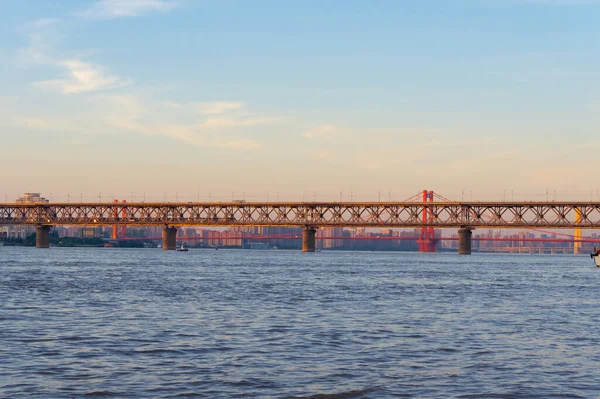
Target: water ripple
point(277, 324)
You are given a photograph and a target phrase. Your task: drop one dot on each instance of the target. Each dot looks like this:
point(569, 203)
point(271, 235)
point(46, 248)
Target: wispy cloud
point(594, 106)
point(218, 107)
point(50, 124)
point(78, 76)
point(192, 135)
point(172, 104)
point(322, 132)
point(40, 23)
point(106, 9)
point(223, 114)
point(39, 34)
point(82, 77)
point(129, 115)
point(237, 121)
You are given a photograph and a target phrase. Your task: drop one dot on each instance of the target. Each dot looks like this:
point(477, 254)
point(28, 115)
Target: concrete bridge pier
point(308, 239)
point(42, 236)
point(169, 238)
point(464, 241)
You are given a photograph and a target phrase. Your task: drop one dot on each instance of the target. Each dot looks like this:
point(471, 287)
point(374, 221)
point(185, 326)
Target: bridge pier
point(169, 238)
point(464, 241)
point(308, 239)
point(42, 236)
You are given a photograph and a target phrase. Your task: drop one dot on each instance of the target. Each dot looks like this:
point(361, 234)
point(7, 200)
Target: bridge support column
point(464, 241)
point(42, 236)
point(308, 239)
point(169, 238)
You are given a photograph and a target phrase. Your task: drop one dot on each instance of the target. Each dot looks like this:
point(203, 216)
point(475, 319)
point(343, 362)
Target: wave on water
point(355, 394)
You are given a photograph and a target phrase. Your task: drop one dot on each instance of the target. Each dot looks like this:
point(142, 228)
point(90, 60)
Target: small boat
point(596, 256)
point(182, 248)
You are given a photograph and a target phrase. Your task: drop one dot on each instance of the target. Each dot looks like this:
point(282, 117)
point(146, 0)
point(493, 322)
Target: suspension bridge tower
point(427, 241)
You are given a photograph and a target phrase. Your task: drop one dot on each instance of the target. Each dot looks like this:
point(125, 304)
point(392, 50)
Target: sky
point(300, 99)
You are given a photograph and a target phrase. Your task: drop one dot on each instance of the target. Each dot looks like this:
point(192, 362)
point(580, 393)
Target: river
point(127, 323)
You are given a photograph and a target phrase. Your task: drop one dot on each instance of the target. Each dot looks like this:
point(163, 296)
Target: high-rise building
point(331, 243)
point(31, 198)
point(18, 231)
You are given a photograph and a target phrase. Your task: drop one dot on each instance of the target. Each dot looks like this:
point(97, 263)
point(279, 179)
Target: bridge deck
point(317, 214)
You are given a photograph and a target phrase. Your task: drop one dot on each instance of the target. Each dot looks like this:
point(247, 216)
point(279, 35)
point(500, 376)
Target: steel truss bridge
point(578, 215)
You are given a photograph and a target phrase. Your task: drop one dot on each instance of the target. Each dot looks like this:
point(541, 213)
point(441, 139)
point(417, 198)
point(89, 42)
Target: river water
point(94, 322)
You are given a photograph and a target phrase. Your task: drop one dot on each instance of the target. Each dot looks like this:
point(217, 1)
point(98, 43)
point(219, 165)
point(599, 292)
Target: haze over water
point(277, 324)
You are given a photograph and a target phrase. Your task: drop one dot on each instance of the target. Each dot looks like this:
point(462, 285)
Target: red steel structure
point(123, 216)
point(115, 215)
point(260, 237)
point(427, 242)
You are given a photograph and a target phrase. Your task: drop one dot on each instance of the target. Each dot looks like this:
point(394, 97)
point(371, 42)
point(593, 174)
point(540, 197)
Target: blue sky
point(300, 97)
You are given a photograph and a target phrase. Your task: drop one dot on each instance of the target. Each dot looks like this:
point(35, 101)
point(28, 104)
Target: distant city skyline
point(481, 99)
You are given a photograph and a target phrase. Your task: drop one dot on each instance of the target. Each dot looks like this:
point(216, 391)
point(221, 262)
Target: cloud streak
point(39, 33)
point(78, 76)
point(218, 107)
point(235, 121)
point(322, 132)
point(107, 9)
point(82, 77)
point(129, 115)
point(190, 135)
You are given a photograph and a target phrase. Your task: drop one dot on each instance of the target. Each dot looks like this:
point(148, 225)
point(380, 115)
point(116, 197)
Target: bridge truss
point(329, 214)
